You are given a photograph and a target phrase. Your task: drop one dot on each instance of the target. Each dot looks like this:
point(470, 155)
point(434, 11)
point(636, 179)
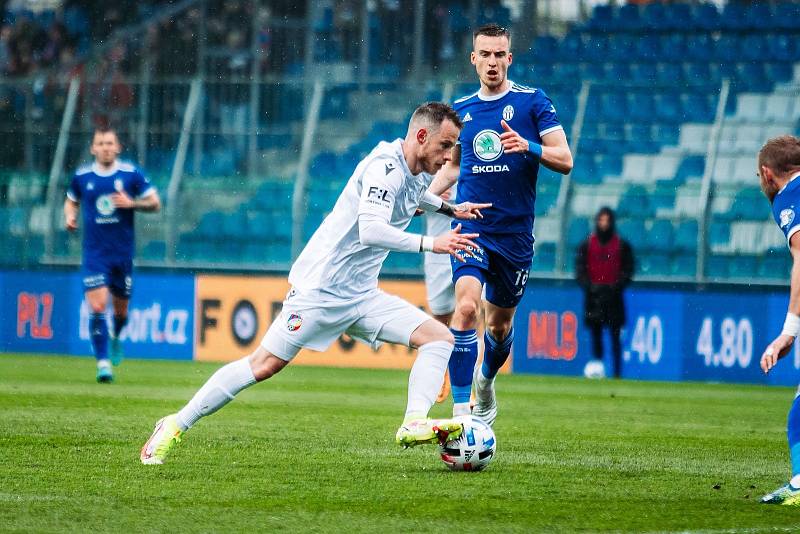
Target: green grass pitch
point(312, 450)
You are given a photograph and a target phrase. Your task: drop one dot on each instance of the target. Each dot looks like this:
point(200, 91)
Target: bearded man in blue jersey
point(779, 170)
point(109, 192)
point(509, 130)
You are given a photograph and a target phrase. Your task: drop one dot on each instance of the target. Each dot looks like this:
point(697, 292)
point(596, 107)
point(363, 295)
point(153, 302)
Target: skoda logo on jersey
point(487, 145)
point(787, 216)
point(508, 113)
point(104, 205)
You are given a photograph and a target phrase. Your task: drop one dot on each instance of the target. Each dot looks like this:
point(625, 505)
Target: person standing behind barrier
point(778, 170)
point(604, 268)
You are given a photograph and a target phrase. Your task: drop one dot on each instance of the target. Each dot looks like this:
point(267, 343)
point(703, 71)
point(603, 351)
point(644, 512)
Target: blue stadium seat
point(647, 48)
point(717, 266)
point(668, 108)
point(633, 230)
point(786, 15)
point(754, 47)
point(614, 107)
point(595, 48)
point(544, 259)
point(669, 74)
point(678, 17)
point(672, 47)
point(706, 16)
point(774, 266)
point(781, 47)
point(602, 18)
point(608, 165)
point(544, 46)
point(666, 134)
point(592, 71)
point(653, 264)
point(577, 231)
point(154, 250)
point(661, 235)
point(641, 106)
point(617, 72)
point(759, 16)
point(629, 17)
point(699, 47)
point(752, 76)
point(654, 16)
point(726, 48)
point(686, 236)
point(211, 224)
point(691, 166)
point(643, 73)
point(719, 233)
point(734, 17)
point(741, 266)
point(620, 46)
point(779, 72)
point(684, 265)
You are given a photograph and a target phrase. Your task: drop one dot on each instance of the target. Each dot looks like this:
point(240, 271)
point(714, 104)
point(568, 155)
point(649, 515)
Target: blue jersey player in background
point(779, 168)
point(109, 191)
point(509, 130)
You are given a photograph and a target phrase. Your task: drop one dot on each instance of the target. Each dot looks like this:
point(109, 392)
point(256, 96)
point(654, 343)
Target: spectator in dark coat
point(604, 268)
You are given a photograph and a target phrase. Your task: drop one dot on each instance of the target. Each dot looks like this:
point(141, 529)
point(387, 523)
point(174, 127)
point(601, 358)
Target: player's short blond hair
point(491, 30)
point(781, 154)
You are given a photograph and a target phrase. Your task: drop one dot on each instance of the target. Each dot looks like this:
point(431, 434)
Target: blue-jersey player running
point(779, 168)
point(109, 191)
point(509, 130)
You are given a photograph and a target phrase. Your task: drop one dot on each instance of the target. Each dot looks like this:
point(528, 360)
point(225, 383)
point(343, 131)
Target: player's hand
point(513, 143)
point(454, 242)
point(122, 200)
point(776, 350)
point(71, 223)
point(469, 210)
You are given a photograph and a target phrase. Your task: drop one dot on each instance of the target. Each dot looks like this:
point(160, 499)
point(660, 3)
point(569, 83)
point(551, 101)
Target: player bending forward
point(778, 168)
point(335, 283)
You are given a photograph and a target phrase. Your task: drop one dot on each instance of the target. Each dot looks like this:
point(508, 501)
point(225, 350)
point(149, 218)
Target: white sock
point(104, 363)
point(461, 408)
point(481, 382)
point(427, 376)
point(218, 391)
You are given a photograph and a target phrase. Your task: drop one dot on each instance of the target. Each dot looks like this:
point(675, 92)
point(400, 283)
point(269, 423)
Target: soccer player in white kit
point(335, 284)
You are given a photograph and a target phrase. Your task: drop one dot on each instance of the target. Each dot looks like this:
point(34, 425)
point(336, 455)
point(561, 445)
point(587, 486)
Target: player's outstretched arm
point(782, 344)
point(555, 152)
point(455, 243)
point(71, 214)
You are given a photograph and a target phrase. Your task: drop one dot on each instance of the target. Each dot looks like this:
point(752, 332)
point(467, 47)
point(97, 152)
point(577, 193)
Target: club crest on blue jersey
point(786, 217)
point(487, 145)
point(508, 113)
point(104, 205)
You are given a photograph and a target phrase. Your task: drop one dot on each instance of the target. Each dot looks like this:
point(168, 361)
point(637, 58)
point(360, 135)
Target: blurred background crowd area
point(253, 115)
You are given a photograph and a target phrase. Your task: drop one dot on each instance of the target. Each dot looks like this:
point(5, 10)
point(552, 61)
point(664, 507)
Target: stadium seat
point(717, 266)
point(741, 266)
point(686, 236)
point(774, 266)
point(690, 166)
point(706, 16)
point(660, 236)
point(684, 265)
point(653, 264)
point(665, 166)
point(578, 230)
point(544, 259)
point(633, 230)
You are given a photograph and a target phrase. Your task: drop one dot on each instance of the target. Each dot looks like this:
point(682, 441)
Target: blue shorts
point(504, 279)
point(114, 274)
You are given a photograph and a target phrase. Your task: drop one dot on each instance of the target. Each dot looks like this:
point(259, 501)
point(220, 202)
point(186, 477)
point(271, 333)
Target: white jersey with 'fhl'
point(334, 263)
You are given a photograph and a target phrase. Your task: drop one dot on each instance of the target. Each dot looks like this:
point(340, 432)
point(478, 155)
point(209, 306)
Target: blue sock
point(793, 432)
point(495, 353)
point(99, 334)
point(462, 364)
point(119, 323)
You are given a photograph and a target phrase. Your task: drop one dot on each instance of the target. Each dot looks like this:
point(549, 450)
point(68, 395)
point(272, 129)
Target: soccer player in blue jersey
point(509, 130)
point(778, 169)
point(109, 191)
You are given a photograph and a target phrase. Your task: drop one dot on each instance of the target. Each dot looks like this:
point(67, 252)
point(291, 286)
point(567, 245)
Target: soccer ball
point(473, 450)
point(594, 369)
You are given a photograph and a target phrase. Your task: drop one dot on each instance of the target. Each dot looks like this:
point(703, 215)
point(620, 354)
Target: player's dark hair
point(436, 113)
point(781, 154)
point(491, 30)
point(104, 130)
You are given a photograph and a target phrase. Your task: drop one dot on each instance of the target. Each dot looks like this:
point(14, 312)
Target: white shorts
point(439, 286)
point(306, 322)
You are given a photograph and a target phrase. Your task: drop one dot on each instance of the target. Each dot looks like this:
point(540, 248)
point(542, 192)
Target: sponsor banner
point(669, 335)
point(37, 311)
point(234, 312)
point(51, 315)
